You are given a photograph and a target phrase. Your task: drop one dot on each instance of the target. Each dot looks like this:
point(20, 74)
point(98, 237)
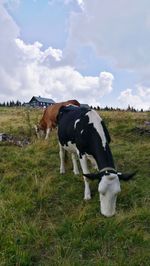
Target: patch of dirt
point(7, 138)
point(142, 129)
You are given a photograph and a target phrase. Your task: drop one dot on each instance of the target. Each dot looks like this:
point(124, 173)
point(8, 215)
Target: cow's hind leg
point(62, 159)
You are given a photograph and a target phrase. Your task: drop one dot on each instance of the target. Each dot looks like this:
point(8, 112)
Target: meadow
point(44, 220)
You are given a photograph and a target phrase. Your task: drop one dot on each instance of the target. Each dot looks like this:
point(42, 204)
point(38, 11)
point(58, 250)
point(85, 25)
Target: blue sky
point(41, 21)
point(94, 51)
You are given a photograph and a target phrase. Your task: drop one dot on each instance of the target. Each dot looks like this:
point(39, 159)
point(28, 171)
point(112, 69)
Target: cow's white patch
point(108, 189)
point(95, 119)
point(70, 147)
point(62, 159)
point(76, 122)
point(85, 170)
point(87, 192)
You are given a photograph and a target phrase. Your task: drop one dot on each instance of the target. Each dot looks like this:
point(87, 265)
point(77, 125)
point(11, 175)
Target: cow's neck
point(104, 158)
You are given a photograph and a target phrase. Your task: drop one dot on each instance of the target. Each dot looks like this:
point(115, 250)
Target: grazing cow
point(48, 121)
point(82, 132)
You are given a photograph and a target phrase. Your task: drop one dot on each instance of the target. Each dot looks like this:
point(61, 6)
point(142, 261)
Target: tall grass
point(43, 217)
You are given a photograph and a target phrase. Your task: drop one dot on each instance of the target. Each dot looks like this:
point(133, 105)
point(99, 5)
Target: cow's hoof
point(87, 197)
point(62, 172)
point(76, 173)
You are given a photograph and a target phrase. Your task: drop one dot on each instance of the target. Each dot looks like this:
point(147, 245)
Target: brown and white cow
point(49, 118)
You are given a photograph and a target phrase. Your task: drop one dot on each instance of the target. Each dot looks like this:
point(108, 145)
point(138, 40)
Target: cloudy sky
point(95, 51)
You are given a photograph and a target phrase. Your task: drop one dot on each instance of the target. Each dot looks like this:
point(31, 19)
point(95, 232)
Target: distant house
point(40, 102)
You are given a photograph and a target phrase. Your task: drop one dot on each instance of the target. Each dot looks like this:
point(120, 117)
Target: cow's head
point(108, 188)
point(40, 132)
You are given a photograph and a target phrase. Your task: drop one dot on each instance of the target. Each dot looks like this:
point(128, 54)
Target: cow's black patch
point(74, 127)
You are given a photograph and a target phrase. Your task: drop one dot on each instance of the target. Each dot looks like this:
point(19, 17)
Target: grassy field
point(44, 220)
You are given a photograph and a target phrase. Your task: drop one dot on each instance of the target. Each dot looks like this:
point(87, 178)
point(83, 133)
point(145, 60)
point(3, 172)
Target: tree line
point(98, 108)
point(11, 104)
point(129, 108)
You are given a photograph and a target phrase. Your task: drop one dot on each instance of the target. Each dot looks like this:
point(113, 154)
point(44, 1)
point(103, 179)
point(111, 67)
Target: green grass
point(43, 217)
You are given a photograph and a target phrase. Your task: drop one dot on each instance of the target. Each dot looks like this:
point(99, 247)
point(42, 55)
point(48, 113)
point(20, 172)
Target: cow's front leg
point(62, 159)
point(84, 166)
point(75, 164)
point(48, 130)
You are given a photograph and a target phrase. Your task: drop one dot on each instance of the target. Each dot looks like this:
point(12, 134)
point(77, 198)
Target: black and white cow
point(82, 132)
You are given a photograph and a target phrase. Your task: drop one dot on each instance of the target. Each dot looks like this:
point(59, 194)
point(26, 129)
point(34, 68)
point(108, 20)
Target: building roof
point(84, 105)
point(42, 100)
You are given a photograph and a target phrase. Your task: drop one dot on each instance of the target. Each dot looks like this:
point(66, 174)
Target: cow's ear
point(97, 176)
point(126, 177)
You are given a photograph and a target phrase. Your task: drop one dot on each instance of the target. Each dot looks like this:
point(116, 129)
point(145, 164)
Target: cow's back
point(85, 129)
point(69, 128)
point(51, 112)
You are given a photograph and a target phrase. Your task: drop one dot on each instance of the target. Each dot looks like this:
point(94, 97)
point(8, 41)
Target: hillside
point(43, 218)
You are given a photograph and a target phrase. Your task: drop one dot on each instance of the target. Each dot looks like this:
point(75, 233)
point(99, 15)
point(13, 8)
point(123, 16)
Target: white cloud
point(69, 83)
point(144, 92)
point(105, 81)
point(34, 52)
point(29, 70)
point(56, 81)
point(119, 30)
point(8, 53)
point(79, 2)
point(61, 83)
point(138, 98)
